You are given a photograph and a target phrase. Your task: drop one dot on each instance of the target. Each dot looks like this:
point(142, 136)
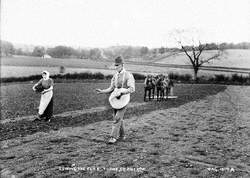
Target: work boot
point(112, 140)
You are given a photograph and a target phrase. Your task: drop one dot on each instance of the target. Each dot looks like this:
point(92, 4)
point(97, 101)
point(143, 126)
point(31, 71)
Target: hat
point(119, 60)
point(45, 72)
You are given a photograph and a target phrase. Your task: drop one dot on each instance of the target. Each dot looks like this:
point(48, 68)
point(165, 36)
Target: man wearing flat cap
point(121, 79)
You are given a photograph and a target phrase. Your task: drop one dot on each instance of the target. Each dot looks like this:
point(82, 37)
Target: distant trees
point(144, 51)
point(38, 51)
point(61, 52)
point(109, 53)
point(84, 54)
point(19, 51)
point(213, 46)
point(243, 45)
point(69, 52)
point(126, 51)
point(162, 50)
point(95, 54)
point(7, 48)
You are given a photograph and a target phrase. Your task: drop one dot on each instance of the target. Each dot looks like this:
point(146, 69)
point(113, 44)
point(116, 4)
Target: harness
point(116, 80)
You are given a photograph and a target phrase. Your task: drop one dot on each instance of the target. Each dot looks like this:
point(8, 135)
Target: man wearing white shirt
point(121, 79)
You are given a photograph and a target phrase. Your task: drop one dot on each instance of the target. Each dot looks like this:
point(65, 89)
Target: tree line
point(8, 49)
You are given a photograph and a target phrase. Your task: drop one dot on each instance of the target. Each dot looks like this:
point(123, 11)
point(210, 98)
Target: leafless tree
point(194, 55)
point(193, 52)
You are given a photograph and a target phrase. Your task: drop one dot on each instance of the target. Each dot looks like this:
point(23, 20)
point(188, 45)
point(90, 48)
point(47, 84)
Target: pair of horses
point(159, 83)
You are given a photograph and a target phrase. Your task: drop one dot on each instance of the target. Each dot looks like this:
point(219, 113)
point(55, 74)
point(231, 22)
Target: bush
point(239, 78)
point(221, 78)
point(20, 79)
point(173, 76)
point(98, 75)
point(185, 77)
point(85, 75)
point(139, 76)
point(108, 77)
point(178, 77)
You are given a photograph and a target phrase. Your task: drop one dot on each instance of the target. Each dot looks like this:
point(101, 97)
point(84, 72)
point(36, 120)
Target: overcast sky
point(103, 23)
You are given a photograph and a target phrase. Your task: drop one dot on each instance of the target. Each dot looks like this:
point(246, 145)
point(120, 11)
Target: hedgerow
point(234, 79)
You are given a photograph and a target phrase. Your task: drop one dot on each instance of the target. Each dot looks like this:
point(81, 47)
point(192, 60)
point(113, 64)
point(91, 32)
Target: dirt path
point(205, 138)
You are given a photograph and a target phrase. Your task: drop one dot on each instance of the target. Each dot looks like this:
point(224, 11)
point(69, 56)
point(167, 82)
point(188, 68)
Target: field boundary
point(184, 66)
point(73, 114)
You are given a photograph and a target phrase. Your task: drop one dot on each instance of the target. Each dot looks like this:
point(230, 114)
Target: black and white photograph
point(125, 88)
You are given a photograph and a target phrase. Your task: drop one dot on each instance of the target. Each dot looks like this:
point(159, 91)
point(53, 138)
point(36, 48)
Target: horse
point(149, 87)
point(160, 88)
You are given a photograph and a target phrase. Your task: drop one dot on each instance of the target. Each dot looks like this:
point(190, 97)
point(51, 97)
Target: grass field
point(25, 66)
point(25, 71)
point(231, 58)
point(53, 62)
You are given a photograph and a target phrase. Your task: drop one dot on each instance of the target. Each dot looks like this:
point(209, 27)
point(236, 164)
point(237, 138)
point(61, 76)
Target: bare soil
point(209, 137)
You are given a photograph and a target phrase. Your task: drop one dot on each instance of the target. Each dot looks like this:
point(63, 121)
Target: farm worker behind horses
point(121, 79)
point(166, 85)
point(46, 102)
point(171, 85)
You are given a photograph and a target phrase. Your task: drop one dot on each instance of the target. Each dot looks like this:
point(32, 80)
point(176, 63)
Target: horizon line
point(114, 45)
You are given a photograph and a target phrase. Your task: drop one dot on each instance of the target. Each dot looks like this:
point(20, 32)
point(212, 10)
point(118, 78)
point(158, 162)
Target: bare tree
point(193, 52)
point(194, 55)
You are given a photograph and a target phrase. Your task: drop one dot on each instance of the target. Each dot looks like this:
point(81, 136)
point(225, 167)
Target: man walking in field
point(122, 85)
